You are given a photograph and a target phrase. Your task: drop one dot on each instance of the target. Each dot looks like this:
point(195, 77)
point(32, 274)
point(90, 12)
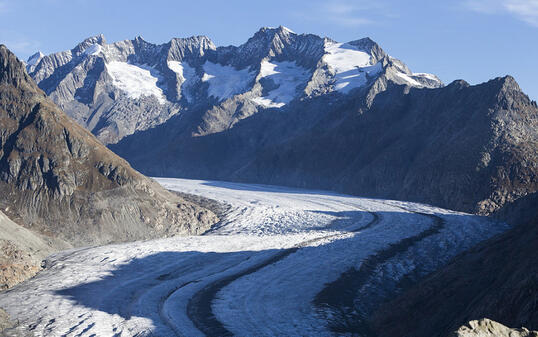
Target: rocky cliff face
point(62, 184)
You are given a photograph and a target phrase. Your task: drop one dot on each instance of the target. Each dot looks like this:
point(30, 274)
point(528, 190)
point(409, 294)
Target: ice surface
point(349, 65)
point(135, 80)
point(225, 81)
point(142, 288)
point(288, 78)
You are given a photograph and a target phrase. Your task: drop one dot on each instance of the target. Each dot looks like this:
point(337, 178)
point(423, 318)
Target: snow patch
point(94, 49)
point(428, 76)
point(225, 81)
point(287, 76)
point(135, 80)
point(34, 59)
point(186, 74)
point(350, 66)
point(408, 79)
point(288, 30)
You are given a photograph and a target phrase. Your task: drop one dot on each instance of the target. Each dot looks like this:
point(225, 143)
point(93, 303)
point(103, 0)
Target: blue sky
point(474, 40)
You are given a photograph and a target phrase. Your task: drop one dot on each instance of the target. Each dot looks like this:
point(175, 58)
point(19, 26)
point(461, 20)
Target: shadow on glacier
point(271, 188)
point(140, 287)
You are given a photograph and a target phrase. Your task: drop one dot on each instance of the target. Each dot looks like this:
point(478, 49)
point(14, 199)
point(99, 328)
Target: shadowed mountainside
point(497, 280)
point(469, 148)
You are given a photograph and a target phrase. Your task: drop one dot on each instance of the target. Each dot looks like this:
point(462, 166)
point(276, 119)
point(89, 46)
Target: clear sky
point(474, 40)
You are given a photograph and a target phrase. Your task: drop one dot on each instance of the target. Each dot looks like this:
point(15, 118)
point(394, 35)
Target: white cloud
point(346, 13)
point(524, 10)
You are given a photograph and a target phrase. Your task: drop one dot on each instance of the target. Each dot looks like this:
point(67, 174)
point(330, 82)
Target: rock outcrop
point(488, 328)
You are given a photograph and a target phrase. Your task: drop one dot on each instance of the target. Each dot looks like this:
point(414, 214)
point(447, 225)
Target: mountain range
point(300, 110)
point(121, 88)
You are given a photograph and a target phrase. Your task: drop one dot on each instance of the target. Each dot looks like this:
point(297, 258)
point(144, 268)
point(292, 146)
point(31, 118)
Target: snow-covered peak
point(87, 43)
point(34, 59)
point(279, 29)
point(286, 29)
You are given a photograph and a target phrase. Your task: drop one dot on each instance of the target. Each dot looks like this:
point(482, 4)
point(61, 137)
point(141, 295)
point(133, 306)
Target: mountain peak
point(272, 31)
point(508, 83)
point(34, 59)
point(12, 70)
point(97, 40)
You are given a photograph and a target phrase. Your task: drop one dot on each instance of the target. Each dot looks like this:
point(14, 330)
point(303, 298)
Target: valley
point(257, 272)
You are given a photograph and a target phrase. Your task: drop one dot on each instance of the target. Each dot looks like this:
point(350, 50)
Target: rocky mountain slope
point(67, 189)
point(300, 110)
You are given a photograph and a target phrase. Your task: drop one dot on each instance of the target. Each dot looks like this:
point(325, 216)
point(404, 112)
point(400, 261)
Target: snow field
point(135, 80)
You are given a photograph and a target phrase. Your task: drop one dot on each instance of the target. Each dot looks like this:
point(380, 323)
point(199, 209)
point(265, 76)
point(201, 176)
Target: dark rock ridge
point(59, 182)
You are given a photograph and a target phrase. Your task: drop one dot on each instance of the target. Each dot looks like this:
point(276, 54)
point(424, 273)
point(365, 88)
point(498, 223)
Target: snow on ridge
point(94, 49)
point(186, 74)
point(287, 76)
point(135, 80)
point(288, 30)
point(431, 77)
point(225, 81)
point(350, 65)
point(34, 59)
point(408, 79)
